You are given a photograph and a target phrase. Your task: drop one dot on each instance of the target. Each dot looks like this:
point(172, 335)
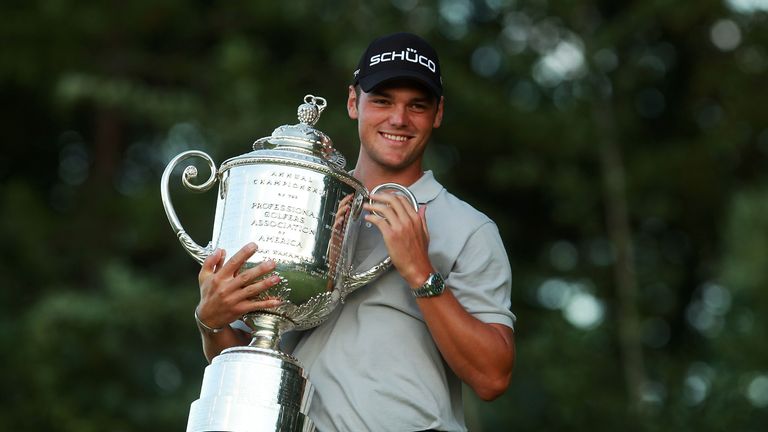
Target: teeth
point(394, 137)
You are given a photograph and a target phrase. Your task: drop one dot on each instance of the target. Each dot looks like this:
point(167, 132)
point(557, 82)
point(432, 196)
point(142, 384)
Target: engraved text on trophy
point(286, 216)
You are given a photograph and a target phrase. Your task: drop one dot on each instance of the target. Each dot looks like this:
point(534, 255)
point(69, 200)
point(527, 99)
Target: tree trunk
point(620, 235)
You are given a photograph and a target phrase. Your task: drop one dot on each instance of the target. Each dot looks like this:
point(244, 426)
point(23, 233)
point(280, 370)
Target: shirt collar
point(426, 188)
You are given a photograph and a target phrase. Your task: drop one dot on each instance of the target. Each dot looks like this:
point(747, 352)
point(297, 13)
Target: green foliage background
point(621, 148)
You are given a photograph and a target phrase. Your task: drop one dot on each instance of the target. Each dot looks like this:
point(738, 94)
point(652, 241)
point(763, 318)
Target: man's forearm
point(215, 343)
point(481, 354)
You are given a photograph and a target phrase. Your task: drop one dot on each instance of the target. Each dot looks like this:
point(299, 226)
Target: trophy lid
point(304, 135)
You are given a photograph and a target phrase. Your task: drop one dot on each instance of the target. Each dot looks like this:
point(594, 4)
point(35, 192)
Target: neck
point(372, 176)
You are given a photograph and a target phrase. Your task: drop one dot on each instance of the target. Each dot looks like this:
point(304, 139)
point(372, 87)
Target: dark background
point(620, 146)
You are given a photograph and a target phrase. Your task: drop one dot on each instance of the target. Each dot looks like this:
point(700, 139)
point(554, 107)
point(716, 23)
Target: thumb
point(423, 217)
point(211, 264)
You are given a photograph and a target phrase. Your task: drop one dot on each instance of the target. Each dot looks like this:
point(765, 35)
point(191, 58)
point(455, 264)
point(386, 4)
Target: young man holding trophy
point(394, 355)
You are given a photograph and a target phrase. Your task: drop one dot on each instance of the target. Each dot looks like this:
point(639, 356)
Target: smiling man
point(393, 357)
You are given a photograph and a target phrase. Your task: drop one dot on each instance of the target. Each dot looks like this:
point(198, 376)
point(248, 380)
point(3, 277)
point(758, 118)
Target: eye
point(379, 101)
point(419, 107)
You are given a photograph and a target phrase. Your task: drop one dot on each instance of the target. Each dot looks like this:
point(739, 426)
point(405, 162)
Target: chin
point(399, 166)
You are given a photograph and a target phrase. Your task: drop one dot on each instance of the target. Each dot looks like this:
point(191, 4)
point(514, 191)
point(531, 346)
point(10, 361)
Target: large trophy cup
point(293, 198)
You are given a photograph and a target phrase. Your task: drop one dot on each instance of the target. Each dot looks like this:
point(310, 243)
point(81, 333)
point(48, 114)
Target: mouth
point(393, 137)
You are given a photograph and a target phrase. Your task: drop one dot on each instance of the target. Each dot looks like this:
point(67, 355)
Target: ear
point(352, 103)
point(439, 114)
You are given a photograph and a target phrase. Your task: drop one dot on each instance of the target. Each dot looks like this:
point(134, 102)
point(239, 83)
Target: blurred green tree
point(620, 148)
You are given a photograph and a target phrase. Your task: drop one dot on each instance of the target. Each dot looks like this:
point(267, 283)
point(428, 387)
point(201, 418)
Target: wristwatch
point(434, 286)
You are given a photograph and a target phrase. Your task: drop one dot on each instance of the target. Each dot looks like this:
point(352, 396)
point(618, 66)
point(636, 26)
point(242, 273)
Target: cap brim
point(374, 80)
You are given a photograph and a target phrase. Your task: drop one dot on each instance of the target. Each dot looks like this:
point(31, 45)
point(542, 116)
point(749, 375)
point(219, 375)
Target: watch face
point(433, 287)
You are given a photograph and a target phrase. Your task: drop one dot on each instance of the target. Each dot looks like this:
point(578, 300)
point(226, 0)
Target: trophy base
point(249, 389)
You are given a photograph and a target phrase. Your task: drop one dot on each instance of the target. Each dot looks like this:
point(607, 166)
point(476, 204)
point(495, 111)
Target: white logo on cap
point(408, 54)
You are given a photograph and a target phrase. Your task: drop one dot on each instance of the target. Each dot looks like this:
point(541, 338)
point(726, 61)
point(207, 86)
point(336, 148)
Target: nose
point(398, 116)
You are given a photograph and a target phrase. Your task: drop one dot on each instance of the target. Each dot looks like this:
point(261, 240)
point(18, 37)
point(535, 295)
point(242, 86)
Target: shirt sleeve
point(481, 278)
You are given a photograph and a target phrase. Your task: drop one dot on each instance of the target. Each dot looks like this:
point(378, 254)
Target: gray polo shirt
point(373, 363)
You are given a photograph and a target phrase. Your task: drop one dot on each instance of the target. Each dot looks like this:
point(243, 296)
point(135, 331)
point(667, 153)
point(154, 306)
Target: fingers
point(254, 281)
point(248, 297)
point(346, 200)
point(341, 212)
point(258, 287)
point(344, 204)
point(247, 277)
point(210, 265)
point(392, 207)
point(233, 264)
point(219, 278)
point(226, 292)
point(263, 304)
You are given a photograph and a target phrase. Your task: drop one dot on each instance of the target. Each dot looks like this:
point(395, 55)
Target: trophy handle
point(352, 281)
point(197, 252)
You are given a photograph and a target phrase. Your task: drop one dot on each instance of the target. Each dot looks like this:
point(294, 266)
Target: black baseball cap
point(398, 56)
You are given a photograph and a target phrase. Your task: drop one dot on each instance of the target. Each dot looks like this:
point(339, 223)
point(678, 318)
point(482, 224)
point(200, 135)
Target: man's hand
point(226, 293)
point(405, 234)
point(481, 354)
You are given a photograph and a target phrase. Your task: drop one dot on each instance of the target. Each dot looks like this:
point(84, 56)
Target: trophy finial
point(304, 135)
point(309, 112)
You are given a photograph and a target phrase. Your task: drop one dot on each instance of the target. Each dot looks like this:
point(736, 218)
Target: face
point(394, 122)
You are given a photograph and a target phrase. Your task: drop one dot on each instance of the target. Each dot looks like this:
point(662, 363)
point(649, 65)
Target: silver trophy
point(293, 198)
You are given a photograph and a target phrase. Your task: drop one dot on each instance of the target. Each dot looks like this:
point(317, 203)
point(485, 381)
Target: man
point(393, 356)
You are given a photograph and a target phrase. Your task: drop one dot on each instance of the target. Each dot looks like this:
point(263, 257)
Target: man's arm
point(481, 354)
point(226, 294)
point(215, 343)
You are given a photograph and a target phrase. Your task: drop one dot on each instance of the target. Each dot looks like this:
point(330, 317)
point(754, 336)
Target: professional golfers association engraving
point(291, 196)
